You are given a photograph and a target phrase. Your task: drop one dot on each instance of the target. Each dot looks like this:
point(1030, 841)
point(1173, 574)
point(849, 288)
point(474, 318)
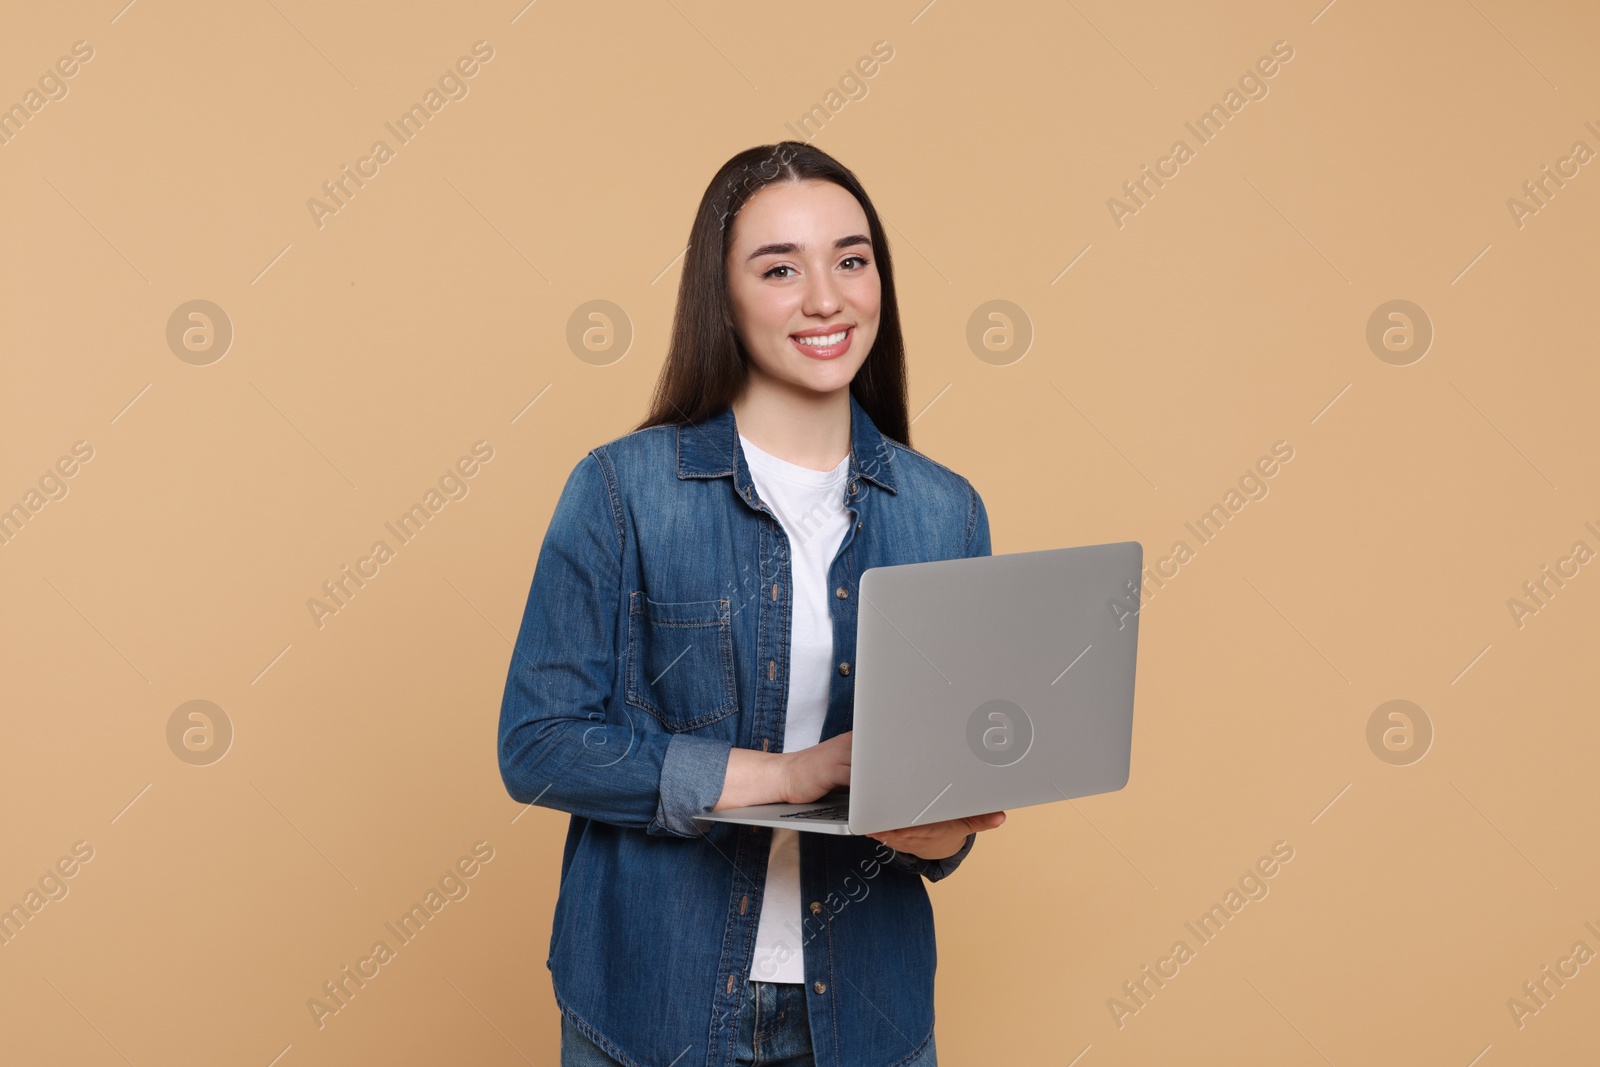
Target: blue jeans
point(774, 1031)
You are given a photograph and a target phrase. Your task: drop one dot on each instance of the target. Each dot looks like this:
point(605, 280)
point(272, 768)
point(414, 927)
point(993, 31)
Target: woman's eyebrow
point(784, 248)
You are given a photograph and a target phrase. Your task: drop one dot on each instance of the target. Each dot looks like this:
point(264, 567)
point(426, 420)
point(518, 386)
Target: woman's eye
point(784, 266)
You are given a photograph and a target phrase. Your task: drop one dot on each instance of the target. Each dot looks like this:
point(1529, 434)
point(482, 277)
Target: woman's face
point(801, 264)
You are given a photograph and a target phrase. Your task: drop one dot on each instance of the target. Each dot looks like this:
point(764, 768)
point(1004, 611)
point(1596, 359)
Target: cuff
point(693, 771)
point(933, 870)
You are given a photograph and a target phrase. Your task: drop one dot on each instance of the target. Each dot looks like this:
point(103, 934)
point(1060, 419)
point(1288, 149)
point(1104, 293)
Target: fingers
point(909, 835)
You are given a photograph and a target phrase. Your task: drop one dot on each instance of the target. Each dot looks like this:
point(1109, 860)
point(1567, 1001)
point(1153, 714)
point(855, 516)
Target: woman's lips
point(830, 352)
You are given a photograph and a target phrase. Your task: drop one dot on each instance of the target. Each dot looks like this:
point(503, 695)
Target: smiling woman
point(806, 308)
point(692, 616)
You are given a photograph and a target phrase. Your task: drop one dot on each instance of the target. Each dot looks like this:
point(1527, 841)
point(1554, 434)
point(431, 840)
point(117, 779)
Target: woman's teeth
point(823, 342)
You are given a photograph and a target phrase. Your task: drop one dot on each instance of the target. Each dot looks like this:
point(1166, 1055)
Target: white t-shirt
point(810, 505)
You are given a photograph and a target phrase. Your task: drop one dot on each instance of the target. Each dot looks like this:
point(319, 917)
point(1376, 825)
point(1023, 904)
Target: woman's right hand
point(812, 772)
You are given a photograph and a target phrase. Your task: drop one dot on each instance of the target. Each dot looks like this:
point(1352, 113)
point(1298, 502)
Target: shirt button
point(852, 487)
point(858, 526)
point(844, 668)
point(816, 907)
point(842, 593)
point(820, 987)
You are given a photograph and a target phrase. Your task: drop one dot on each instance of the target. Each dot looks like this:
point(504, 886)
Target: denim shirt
point(656, 638)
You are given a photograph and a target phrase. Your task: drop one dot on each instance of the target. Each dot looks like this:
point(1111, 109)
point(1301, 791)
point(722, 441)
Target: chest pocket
point(680, 661)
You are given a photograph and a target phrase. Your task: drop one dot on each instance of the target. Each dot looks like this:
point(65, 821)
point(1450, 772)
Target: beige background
point(1167, 355)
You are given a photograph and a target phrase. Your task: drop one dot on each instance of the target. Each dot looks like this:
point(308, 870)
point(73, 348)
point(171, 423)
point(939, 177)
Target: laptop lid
point(993, 682)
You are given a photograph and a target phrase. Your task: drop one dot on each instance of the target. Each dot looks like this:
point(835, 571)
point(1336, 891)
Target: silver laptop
point(983, 684)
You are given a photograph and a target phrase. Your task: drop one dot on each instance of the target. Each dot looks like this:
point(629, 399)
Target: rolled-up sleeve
point(933, 870)
point(692, 775)
point(564, 741)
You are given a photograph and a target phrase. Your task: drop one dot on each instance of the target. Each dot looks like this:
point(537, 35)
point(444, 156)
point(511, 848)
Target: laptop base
point(814, 815)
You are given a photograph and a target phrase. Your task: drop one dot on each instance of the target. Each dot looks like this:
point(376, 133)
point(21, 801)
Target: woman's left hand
point(937, 840)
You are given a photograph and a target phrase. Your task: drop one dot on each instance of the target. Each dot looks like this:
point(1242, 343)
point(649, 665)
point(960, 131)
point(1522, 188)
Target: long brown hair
point(706, 365)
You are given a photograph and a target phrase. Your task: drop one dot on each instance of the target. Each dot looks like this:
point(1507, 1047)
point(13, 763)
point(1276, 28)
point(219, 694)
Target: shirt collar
point(710, 449)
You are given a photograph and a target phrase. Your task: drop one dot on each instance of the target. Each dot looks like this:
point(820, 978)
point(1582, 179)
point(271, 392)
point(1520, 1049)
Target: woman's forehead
point(803, 214)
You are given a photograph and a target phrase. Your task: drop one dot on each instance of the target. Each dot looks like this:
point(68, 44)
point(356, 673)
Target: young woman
point(687, 647)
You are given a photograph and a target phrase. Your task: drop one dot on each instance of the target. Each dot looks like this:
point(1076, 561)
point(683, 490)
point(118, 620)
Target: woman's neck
point(811, 431)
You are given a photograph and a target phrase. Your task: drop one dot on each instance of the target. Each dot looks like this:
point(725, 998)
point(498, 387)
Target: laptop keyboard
point(832, 811)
